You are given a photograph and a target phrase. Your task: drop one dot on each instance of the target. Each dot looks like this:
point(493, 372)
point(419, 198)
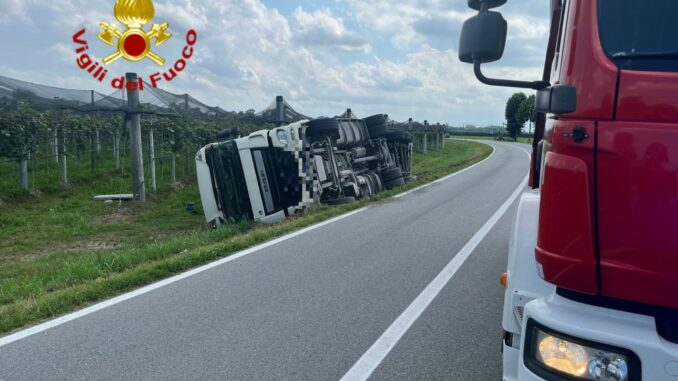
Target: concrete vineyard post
point(151, 148)
point(134, 121)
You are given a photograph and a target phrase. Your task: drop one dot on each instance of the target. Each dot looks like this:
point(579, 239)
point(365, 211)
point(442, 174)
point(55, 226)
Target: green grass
point(48, 269)
point(520, 139)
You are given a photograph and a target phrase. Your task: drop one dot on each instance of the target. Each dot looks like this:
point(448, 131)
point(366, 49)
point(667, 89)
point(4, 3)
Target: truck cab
point(592, 280)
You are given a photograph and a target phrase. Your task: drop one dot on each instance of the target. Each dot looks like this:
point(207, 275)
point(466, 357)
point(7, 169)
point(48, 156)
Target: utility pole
point(134, 122)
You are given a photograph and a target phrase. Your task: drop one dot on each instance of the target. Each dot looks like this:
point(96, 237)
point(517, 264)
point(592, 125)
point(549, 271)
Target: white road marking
point(111, 302)
point(446, 177)
point(127, 296)
point(371, 359)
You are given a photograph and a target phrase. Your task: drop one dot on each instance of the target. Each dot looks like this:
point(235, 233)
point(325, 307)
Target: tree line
point(520, 109)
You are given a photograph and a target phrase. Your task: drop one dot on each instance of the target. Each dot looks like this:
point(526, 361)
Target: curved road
point(406, 290)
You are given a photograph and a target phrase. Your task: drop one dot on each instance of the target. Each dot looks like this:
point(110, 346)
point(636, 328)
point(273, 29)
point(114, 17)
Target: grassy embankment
point(59, 251)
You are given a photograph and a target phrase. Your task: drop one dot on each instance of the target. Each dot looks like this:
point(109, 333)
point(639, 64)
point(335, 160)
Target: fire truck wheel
point(321, 128)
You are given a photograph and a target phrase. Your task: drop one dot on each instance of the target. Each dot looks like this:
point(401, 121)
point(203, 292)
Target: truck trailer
point(273, 174)
point(592, 276)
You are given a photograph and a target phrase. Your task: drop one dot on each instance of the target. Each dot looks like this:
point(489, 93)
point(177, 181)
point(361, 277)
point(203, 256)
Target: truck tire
point(377, 184)
point(321, 128)
point(376, 125)
point(394, 183)
point(339, 201)
point(399, 136)
point(391, 174)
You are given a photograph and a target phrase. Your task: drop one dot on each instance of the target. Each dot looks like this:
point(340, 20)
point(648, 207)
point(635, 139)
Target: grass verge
point(39, 287)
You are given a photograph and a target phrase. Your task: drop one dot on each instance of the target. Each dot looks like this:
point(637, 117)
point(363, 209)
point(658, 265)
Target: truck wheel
point(321, 128)
point(339, 201)
point(378, 185)
point(394, 183)
point(399, 136)
point(391, 174)
point(376, 126)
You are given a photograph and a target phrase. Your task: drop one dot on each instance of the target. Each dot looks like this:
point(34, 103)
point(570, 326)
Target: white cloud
point(247, 53)
point(321, 28)
point(14, 9)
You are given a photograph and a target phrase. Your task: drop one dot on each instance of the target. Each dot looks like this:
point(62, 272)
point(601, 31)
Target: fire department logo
point(134, 43)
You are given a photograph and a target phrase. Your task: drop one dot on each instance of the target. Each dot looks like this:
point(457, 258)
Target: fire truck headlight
point(552, 355)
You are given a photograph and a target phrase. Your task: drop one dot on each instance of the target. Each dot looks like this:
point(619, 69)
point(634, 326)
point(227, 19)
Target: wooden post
point(134, 121)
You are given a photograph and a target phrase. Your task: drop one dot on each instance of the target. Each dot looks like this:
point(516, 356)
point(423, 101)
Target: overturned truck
point(272, 174)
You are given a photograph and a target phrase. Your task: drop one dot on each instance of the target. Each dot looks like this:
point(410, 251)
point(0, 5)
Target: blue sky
point(374, 56)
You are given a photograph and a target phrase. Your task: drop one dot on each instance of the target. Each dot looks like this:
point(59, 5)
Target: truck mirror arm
point(535, 85)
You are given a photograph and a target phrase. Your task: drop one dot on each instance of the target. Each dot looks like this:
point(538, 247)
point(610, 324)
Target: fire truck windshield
point(640, 34)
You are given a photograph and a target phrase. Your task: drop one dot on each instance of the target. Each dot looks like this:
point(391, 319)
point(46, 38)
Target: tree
point(515, 119)
point(527, 110)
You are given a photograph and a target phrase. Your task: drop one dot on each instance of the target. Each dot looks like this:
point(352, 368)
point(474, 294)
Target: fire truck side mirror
point(477, 4)
point(557, 99)
point(483, 38)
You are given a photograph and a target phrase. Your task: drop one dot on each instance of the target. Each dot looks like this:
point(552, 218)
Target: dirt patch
point(117, 216)
point(96, 245)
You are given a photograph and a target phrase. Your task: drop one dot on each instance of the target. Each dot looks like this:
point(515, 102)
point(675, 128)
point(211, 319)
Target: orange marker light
point(503, 279)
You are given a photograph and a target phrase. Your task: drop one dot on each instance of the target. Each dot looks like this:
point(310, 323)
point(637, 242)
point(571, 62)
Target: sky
point(374, 56)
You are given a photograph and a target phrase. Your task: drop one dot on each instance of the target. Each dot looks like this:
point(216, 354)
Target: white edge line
point(132, 294)
point(371, 359)
point(448, 176)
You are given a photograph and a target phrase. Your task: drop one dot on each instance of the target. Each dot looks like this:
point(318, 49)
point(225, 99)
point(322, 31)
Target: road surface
point(405, 290)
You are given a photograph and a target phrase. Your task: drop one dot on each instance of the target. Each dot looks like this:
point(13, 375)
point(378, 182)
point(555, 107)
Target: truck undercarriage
point(273, 174)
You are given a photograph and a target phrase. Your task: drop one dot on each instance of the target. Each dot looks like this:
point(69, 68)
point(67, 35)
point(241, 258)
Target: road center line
point(371, 359)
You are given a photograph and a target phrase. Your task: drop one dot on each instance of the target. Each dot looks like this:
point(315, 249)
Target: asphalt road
point(311, 306)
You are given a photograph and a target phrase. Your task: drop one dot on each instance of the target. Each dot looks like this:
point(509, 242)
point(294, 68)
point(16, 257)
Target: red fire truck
point(592, 280)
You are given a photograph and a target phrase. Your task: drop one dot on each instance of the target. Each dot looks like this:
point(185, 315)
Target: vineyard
point(52, 139)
